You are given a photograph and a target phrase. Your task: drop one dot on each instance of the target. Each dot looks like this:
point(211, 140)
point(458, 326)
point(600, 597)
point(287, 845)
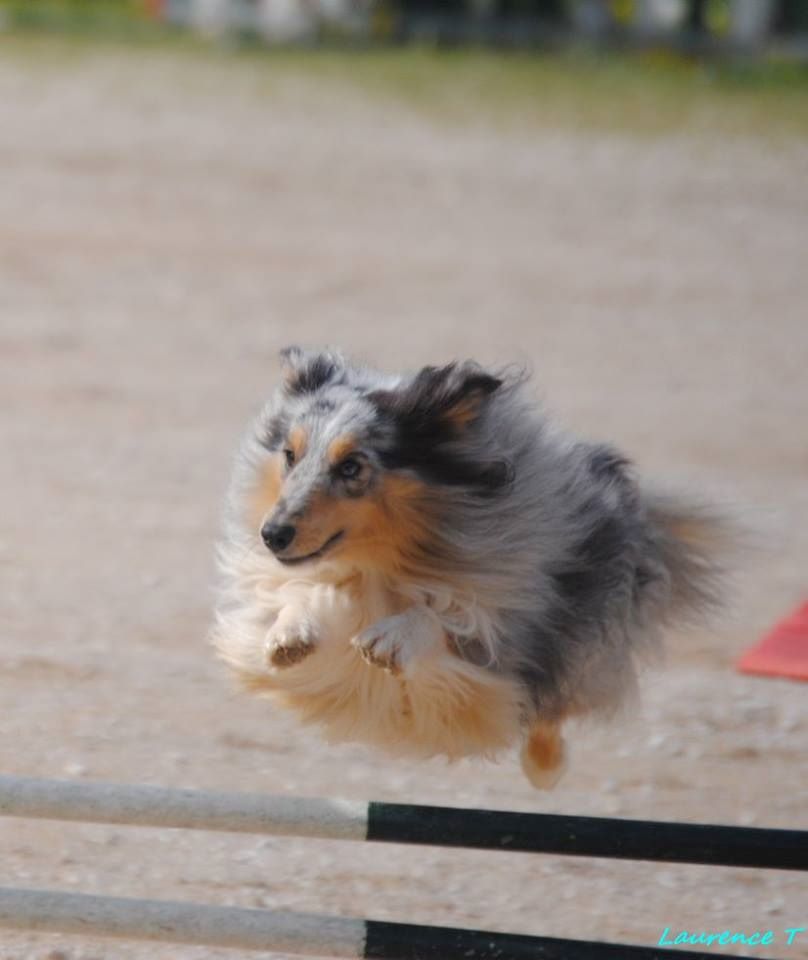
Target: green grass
point(650, 95)
point(119, 17)
point(653, 94)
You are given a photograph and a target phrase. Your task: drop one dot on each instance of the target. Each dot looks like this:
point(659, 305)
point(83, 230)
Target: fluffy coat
point(462, 574)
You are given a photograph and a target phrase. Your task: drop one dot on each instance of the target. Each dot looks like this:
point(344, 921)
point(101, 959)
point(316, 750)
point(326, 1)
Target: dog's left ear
point(305, 371)
point(450, 397)
point(460, 392)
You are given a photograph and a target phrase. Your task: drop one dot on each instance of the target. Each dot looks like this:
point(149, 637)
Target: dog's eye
point(290, 458)
point(350, 468)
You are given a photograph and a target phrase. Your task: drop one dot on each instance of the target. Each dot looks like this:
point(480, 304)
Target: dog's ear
point(305, 371)
point(290, 357)
point(440, 399)
point(464, 394)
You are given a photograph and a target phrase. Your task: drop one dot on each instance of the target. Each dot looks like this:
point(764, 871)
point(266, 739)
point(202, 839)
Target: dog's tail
point(693, 551)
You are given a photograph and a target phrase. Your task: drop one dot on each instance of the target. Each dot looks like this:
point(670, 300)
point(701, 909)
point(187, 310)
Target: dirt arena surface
point(165, 227)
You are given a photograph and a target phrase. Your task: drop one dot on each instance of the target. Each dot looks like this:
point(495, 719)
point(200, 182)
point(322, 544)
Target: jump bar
point(764, 848)
point(46, 911)
point(147, 806)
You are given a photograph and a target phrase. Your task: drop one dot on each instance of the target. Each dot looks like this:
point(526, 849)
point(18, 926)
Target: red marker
point(783, 652)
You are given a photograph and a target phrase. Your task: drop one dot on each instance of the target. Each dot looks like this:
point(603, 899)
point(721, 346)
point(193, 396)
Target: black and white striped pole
point(294, 933)
point(148, 806)
point(313, 935)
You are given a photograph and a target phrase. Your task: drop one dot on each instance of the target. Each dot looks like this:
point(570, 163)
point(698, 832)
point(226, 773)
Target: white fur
point(434, 702)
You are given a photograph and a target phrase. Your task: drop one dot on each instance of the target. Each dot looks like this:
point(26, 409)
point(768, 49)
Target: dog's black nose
point(277, 536)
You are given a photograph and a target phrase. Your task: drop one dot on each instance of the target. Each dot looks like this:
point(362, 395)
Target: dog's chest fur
point(439, 705)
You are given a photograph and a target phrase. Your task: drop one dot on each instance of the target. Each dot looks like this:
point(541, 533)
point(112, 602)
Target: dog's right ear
point(306, 371)
point(290, 357)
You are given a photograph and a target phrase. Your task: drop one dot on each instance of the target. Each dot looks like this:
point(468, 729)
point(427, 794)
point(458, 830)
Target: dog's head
point(354, 465)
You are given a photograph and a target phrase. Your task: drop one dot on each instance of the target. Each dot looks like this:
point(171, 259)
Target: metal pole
point(147, 806)
point(406, 823)
point(46, 911)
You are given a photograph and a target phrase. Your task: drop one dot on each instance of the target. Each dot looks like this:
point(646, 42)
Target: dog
point(428, 564)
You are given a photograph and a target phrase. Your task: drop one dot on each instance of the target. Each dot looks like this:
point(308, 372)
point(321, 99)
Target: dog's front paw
point(288, 644)
point(385, 644)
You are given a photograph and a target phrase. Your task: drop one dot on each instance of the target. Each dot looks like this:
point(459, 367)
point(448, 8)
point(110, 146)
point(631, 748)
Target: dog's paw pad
point(380, 648)
point(288, 654)
point(285, 649)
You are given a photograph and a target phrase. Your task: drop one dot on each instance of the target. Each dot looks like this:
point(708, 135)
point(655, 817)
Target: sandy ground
point(164, 228)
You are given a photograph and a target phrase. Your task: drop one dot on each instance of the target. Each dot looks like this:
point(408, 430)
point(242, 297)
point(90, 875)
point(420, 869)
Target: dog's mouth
point(315, 555)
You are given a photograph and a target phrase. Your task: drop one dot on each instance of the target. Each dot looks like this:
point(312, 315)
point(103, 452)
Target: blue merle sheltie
point(426, 563)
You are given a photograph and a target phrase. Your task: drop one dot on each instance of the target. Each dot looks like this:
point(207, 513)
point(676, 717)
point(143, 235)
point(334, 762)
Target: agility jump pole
point(168, 921)
point(148, 806)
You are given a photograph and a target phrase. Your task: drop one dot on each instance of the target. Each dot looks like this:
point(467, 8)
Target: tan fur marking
point(694, 533)
point(298, 441)
point(322, 519)
point(465, 410)
point(381, 529)
point(339, 449)
point(387, 525)
point(545, 747)
point(456, 717)
point(261, 501)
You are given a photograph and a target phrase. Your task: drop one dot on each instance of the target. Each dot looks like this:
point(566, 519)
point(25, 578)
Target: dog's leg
point(395, 643)
point(544, 755)
point(291, 638)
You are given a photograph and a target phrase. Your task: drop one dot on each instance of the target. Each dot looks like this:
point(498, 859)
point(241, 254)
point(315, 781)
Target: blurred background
point(695, 25)
point(615, 194)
